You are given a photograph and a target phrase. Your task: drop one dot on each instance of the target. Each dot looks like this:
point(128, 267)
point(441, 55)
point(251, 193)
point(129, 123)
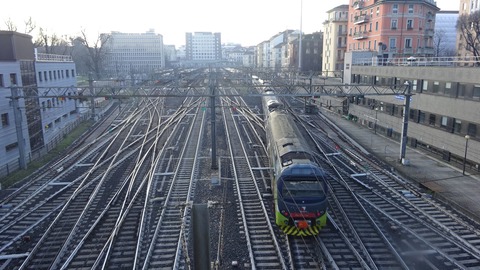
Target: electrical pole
point(403, 142)
point(300, 39)
point(212, 83)
point(92, 97)
point(17, 114)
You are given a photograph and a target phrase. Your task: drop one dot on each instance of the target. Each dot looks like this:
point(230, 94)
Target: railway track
point(423, 232)
point(265, 250)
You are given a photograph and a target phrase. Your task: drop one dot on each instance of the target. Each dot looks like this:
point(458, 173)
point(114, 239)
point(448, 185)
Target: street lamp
point(465, 158)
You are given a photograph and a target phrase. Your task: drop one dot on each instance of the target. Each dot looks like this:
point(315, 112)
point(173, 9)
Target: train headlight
point(302, 224)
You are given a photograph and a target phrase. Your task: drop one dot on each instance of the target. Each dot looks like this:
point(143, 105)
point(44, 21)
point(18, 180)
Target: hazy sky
point(248, 22)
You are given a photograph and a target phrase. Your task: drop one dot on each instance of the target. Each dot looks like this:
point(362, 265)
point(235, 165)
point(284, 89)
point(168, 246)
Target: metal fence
point(419, 61)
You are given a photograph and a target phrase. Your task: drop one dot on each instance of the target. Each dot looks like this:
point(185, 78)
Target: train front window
point(303, 189)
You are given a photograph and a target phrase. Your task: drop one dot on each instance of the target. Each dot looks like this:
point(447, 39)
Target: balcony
point(426, 51)
point(429, 32)
point(360, 19)
point(358, 4)
point(360, 35)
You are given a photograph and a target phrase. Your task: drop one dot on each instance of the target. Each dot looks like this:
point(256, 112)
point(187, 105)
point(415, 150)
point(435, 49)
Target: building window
point(436, 87)
point(408, 43)
point(409, 24)
point(68, 73)
point(421, 117)
point(412, 113)
point(394, 24)
point(425, 86)
point(458, 126)
point(444, 122)
point(40, 76)
point(462, 89)
point(432, 119)
point(472, 129)
point(50, 75)
point(13, 79)
point(11, 146)
point(45, 75)
point(476, 91)
point(393, 43)
point(376, 26)
point(414, 85)
point(1, 80)
point(5, 121)
point(395, 8)
point(378, 11)
point(410, 8)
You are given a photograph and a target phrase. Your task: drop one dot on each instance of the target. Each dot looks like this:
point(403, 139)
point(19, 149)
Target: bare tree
point(469, 27)
point(10, 25)
point(52, 44)
point(440, 44)
point(29, 26)
point(96, 52)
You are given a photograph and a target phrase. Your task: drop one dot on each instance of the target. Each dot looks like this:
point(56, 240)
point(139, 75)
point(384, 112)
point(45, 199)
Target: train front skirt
point(297, 229)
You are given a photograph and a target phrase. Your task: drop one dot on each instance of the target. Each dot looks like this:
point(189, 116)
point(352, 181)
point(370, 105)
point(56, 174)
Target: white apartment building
point(335, 40)
point(203, 47)
point(137, 54)
point(30, 124)
point(9, 153)
point(56, 76)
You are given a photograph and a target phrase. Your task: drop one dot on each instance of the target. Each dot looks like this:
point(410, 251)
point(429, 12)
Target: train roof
point(285, 134)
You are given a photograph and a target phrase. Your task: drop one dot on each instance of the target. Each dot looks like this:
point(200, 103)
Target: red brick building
point(391, 27)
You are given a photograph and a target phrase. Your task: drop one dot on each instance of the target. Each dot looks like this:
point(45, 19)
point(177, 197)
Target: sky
point(245, 22)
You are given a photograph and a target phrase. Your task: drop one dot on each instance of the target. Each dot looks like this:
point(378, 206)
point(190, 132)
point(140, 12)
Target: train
point(299, 184)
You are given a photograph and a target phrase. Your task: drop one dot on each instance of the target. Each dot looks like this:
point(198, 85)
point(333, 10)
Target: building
point(467, 7)
point(170, 55)
point(233, 54)
point(249, 57)
point(203, 47)
point(16, 58)
point(262, 56)
point(444, 39)
point(134, 54)
point(394, 28)
point(444, 108)
point(312, 49)
point(56, 113)
point(37, 124)
point(334, 41)
point(277, 47)
point(275, 54)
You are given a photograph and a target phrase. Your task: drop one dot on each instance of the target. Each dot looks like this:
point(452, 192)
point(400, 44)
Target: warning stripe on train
point(292, 230)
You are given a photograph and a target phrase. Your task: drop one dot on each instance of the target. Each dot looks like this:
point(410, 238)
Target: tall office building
point(444, 40)
point(137, 54)
point(403, 28)
point(203, 47)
